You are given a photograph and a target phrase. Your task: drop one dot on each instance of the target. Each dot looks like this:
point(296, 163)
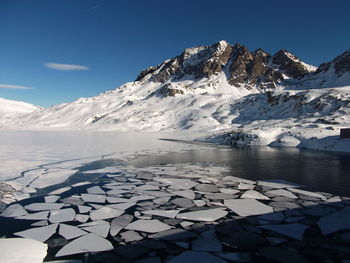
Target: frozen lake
point(59, 154)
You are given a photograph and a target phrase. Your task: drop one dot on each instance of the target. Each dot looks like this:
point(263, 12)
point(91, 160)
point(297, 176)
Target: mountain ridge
point(241, 66)
point(215, 89)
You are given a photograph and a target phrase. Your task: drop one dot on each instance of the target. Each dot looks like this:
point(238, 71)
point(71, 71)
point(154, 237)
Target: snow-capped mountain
point(221, 87)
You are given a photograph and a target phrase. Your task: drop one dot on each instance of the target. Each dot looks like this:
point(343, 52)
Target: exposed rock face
point(289, 64)
point(242, 68)
point(341, 64)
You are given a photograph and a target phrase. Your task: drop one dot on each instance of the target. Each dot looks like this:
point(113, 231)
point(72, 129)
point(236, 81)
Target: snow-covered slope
point(11, 107)
point(217, 88)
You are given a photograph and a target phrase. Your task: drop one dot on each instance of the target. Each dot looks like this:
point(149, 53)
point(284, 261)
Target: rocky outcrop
point(341, 64)
point(289, 64)
point(242, 68)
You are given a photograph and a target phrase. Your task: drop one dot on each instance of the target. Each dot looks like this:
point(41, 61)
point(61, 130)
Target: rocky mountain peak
point(241, 67)
point(290, 64)
point(341, 64)
point(260, 53)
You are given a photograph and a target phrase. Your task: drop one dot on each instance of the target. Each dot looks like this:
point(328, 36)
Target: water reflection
point(319, 171)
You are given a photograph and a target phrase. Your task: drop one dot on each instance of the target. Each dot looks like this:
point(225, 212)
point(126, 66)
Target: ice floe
point(43, 206)
point(84, 209)
point(149, 226)
point(278, 184)
point(185, 193)
point(181, 210)
point(336, 221)
point(303, 192)
point(39, 233)
point(105, 213)
point(35, 216)
point(62, 215)
point(93, 198)
point(70, 232)
point(14, 210)
point(119, 223)
point(247, 207)
point(254, 195)
point(281, 192)
point(100, 229)
point(207, 215)
point(51, 198)
point(95, 190)
point(87, 243)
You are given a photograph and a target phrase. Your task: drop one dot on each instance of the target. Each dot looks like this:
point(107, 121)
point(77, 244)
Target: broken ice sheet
point(130, 236)
point(254, 195)
point(113, 200)
point(116, 192)
point(185, 193)
point(148, 187)
point(122, 206)
point(335, 222)
point(51, 198)
point(69, 232)
point(14, 211)
point(52, 177)
point(247, 207)
point(304, 192)
point(243, 186)
point(276, 183)
point(95, 190)
point(93, 198)
point(156, 193)
point(35, 216)
point(237, 179)
point(282, 192)
point(162, 213)
point(81, 218)
point(84, 209)
point(177, 184)
point(149, 226)
point(43, 206)
point(87, 243)
point(60, 190)
point(39, 233)
point(101, 229)
point(119, 223)
point(207, 215)
point(183, 202)
point(105, 213)
point(294, 230)
point(62, 215)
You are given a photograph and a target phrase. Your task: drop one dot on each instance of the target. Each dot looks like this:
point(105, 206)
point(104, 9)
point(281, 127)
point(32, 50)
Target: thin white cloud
point(9, 86)
point(65, 67)
point(92, 8)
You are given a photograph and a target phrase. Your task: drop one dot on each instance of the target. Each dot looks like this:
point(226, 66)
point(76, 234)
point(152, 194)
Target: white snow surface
point(12, 107)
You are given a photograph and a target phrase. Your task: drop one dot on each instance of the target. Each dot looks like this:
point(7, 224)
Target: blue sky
point(111, 41)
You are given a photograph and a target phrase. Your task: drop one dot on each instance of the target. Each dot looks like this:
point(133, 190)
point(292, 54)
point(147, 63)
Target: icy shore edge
point(311, 139)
